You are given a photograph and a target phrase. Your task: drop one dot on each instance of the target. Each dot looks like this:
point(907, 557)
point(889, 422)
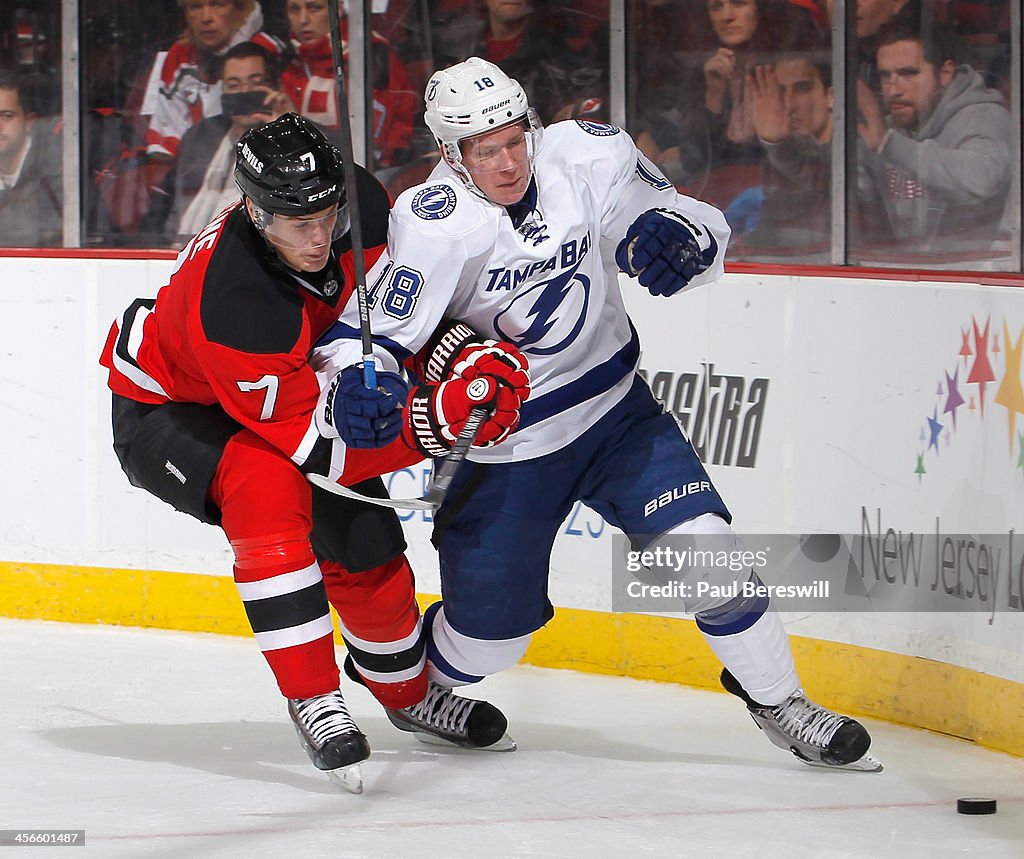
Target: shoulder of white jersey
point(597, 147)
point(581, 139)
point(440, 207)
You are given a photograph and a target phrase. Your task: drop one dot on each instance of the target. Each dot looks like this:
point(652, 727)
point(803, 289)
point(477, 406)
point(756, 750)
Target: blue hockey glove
point(662, 250)
point(363, 417)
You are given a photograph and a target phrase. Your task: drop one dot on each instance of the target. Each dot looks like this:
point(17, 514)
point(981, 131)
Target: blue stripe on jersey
point(341, 331)
point(594, 382)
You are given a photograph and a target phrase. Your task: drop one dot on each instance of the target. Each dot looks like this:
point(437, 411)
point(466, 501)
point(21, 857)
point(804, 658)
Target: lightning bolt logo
point(552, 306)
point(434, 203)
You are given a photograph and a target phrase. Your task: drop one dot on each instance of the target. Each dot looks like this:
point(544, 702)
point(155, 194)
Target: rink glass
point(664, 44)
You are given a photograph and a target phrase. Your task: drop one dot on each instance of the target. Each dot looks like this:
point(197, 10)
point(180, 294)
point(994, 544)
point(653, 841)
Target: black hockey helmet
point(289, 167)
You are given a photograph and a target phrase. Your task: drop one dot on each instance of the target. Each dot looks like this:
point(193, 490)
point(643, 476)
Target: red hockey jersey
point(234, 327)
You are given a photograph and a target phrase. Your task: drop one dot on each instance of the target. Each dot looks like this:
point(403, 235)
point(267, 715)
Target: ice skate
point(443, 718)
point(331, 739)
point(816, 735)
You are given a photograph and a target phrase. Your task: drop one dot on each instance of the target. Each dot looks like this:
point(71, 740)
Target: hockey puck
point(975, 805)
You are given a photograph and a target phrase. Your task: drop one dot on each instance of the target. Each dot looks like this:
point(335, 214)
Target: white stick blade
point(346, 492)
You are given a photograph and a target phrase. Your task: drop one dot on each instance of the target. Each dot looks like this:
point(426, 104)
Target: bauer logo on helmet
point(497, 106)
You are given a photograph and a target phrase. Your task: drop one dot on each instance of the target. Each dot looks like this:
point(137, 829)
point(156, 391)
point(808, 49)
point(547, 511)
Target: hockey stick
point(349, 167)
point(440, 482)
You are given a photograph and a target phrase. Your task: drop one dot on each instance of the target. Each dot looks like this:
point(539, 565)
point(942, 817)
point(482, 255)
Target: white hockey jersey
point(550, 287)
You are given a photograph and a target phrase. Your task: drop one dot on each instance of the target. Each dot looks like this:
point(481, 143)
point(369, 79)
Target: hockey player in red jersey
point(217, 411)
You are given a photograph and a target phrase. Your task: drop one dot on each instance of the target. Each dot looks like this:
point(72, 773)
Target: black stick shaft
point(445, 469)
point(349, 165)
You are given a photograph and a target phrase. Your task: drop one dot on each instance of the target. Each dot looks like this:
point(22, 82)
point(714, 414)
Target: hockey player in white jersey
point(519, 234)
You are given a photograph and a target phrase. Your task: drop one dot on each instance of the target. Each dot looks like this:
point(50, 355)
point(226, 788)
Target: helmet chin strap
point(256, 214)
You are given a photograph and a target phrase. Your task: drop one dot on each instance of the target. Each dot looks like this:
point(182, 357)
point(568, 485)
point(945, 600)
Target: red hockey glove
point(497, 359)
point(456, 350)
point(438, 412)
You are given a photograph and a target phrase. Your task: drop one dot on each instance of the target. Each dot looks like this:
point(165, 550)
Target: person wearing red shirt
point(310, 80)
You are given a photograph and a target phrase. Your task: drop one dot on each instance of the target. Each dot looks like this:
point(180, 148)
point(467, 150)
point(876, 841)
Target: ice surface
point(178, 744)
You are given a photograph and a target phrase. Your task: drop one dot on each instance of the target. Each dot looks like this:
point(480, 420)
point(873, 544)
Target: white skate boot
point(816, 735)
point(330, 737)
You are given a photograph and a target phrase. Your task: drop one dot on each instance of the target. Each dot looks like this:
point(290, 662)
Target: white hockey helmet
point(472, 98)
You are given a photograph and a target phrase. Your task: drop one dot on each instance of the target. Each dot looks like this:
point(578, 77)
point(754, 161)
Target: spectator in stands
point(792, 113)
point(31, 190)
point(202, 181)
point(741, 34)
point(189, 78)
point(747, 32)
point(527, 40)
point(104, 45)
point(872, 15)
point(310, 81)
point(938, 163)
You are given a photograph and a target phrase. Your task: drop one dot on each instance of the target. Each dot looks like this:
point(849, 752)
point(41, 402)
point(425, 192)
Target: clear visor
point(305, 232)
point(506, 148)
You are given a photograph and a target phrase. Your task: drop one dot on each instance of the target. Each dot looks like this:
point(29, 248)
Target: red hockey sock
point(265, 507)
point(380, 622)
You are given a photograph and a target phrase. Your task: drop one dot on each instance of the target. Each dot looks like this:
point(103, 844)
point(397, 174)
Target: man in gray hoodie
point(939, 162)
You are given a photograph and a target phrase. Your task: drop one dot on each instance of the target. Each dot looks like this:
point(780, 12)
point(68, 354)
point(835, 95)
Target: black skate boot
point(445, 719)
point(330, 737)
point(816, 735)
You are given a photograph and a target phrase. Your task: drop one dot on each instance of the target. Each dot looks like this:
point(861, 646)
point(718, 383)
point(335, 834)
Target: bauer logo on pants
point(675, 494)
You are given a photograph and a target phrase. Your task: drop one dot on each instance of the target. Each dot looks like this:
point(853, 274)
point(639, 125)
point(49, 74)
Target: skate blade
point(867, 764)
point(348, 778)
point(505, 744)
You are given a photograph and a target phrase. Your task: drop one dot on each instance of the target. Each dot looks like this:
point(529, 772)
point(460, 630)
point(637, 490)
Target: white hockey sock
point(759, 658)
point(455, 659)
